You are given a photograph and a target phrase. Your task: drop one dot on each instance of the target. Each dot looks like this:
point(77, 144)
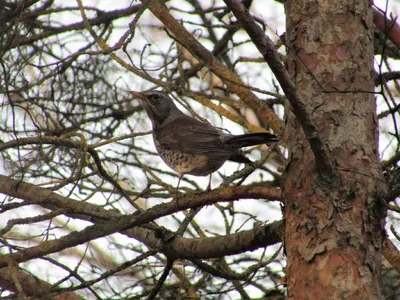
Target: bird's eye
point(155, 97)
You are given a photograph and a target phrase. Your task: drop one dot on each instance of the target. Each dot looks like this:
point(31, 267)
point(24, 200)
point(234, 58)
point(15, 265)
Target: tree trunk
point(333, 226)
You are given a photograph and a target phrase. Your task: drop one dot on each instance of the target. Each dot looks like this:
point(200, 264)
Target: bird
point(191, 146)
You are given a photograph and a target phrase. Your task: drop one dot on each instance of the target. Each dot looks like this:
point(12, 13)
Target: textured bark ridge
point(333, 225)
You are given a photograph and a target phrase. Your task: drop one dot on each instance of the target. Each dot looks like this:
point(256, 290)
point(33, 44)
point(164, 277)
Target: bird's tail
point(251, 139)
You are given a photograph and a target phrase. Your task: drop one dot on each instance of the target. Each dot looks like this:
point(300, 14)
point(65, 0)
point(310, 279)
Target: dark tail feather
point(251, 139)
point(240, 158)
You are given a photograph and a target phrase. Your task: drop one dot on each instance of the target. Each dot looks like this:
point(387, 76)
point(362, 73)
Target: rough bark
point(333, 227)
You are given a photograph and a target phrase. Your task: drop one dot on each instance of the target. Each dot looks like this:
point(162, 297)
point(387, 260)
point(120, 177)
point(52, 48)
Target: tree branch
point(105, 17)
point(391, 253)
point(108, 222)
point(30, 284)
point(389, 27)
point(230, 79)
point(265, 46)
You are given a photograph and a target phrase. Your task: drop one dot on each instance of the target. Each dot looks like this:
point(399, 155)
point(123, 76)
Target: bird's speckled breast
point(186, 163)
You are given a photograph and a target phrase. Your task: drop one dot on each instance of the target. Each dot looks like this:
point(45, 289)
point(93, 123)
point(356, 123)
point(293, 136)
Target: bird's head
point(158, 105)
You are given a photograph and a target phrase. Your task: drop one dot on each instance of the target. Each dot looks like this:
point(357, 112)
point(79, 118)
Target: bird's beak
point(139, 95)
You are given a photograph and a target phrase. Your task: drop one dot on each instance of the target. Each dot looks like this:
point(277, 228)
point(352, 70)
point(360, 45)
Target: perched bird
point(190, 146)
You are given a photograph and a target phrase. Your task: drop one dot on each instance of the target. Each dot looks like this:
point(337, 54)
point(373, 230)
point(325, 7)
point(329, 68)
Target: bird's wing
point(192, 136)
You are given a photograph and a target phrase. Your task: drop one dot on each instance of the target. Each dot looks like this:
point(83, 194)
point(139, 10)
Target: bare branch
point(229, 78)
point(267, 50)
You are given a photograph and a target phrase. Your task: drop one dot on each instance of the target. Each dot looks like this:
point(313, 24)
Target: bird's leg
point(179, 181)
point(209, 184)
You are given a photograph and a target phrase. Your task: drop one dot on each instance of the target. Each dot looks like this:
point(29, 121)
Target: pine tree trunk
point(333, 226)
